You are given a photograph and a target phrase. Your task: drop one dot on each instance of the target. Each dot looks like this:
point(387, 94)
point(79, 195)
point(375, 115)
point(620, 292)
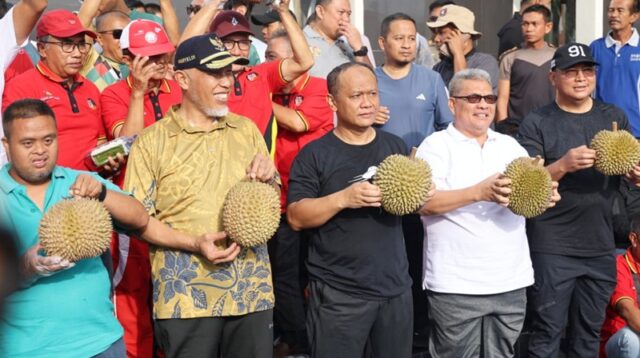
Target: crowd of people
point(308, 112)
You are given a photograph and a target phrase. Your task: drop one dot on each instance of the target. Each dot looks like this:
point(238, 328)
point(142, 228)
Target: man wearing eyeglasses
point(253, 86)
point(572, 245)
point(476, 257)
point(107, 68)
point(56, 80)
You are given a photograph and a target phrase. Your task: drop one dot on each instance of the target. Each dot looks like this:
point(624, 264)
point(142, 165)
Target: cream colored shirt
point(181, 174)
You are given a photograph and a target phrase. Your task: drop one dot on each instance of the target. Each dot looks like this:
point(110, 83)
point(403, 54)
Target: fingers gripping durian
point(531, 186)
point(617, 151)
point(251, 213)
point(404, 183)
point(76, 229)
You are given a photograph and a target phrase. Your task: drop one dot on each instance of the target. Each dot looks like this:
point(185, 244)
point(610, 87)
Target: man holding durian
point(572, 244)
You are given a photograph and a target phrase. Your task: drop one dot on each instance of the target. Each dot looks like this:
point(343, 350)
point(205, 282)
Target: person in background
point(510, 34)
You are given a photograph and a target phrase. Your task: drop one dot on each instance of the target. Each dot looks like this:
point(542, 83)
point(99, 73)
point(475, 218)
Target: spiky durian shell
point(531, 187)
point(404, 183)
point(76, 229)
point(616, 152)
point(251, 213)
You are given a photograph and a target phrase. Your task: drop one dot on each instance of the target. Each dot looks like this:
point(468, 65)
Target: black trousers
point(250, 335)
point(287, 252)
point(414, 242)
point(573, 290)
point(341, 325)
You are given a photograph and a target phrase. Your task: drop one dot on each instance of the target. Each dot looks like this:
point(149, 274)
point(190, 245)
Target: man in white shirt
point(15, 27)
point(476, 258)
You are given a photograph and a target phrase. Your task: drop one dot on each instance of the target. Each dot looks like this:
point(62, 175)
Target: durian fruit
point(531, 186)
point(251, 213)
point(76, 229)
point(404, 183)
point(616, 151)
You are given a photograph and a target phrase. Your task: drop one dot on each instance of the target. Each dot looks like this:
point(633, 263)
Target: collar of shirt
point(177, 124)
point(164, 86)
point(634, 40)
point(631, 262)
point(8, 184)
point(458, 136)
point(46, 72)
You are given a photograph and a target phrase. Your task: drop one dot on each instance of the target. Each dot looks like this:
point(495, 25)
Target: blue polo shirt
point(618, 76)
point(418, 104)
point(68, 314)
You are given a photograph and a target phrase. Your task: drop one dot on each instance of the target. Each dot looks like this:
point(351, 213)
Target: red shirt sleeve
point(114, 108)
point(272, 71)
point(13, 91)
point(624, 283)
point(314, 108)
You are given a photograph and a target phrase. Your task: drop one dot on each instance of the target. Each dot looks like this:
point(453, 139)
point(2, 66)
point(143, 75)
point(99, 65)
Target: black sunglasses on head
point(115, 33)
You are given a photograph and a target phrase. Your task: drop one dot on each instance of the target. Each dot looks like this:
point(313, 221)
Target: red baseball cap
point(228, 23)
point(145, 38)
point(61, 23)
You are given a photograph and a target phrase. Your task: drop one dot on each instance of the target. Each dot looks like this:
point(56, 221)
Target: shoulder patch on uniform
point(513, 49)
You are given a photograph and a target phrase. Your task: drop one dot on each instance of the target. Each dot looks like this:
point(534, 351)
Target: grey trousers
point(475, 325)
point(340, 325)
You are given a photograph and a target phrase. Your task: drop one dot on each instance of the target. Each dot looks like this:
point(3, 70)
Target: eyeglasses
point(115, 33)
point(193, 9)
point(476, 98)
point(68, 46)
point(573, 72)
point(242, 44)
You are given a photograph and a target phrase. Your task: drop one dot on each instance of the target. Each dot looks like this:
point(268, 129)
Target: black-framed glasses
point(193, 9)
point(117, 33)
point(242, 44)
point(68, 46)
point(476, 98)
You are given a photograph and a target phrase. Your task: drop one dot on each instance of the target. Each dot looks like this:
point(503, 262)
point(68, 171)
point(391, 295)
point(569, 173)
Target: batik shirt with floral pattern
point(181, 174)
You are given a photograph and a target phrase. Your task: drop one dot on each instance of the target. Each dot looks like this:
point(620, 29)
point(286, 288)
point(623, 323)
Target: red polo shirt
point(309, 100)
point(77, 110)
point(115, 103)
point(626, 267)
point(251, 97)
point(115, 107)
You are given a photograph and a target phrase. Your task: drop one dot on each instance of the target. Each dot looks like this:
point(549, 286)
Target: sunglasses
point(476, 98)
point(193, 9)
point(115, 33)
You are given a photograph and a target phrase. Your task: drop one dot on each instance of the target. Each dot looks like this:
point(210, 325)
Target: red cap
point(228, 23)
point(145, 38)
point(61, 23)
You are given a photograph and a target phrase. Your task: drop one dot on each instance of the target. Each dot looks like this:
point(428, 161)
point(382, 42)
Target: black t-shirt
point(581, 222)
point(359, 251)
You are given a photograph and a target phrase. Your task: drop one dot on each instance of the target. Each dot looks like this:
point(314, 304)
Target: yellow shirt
point(182, 174)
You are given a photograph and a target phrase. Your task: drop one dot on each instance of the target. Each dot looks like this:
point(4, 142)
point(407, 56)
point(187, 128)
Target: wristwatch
point(363, 51)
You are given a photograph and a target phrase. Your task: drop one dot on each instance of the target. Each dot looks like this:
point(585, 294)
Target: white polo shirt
point(481, 248)
point(8, 51)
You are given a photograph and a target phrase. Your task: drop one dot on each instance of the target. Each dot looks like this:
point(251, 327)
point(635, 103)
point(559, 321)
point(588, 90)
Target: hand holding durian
point(617, 153)
point(532, 189)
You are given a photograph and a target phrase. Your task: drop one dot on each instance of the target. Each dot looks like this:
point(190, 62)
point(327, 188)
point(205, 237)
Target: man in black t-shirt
point(360, 289)
point(572, 245)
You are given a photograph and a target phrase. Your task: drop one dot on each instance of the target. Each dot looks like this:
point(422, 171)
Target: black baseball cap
point(570, 55)
point(206, 53)
point(268, 17)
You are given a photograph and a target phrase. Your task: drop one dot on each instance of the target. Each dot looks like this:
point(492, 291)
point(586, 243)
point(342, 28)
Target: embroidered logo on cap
point(443, 11)
point(151, 37)
point(217, 43)
point(234, 21)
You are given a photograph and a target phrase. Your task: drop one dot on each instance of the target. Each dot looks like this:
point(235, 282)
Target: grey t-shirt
point(475, 59)
point(327, 56)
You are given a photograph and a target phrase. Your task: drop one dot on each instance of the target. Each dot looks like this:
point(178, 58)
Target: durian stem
point(414, 150)
point(614, 126)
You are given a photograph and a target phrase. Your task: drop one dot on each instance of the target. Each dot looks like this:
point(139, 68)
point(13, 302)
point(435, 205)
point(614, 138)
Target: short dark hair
point(24, 109)
point(134, 4)
point(230, 4)
point(100, 20)
point(386, 23)
point(540, 9)
point(280, 34)
point(333, 79)
point(440, 3)
point(152, 8)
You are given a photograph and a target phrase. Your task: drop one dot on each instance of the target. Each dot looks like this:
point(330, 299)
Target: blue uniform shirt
point(618, 76)
point(418, 104)
point(68, 314)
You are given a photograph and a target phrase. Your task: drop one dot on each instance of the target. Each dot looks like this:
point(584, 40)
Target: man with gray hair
point(476, 262)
